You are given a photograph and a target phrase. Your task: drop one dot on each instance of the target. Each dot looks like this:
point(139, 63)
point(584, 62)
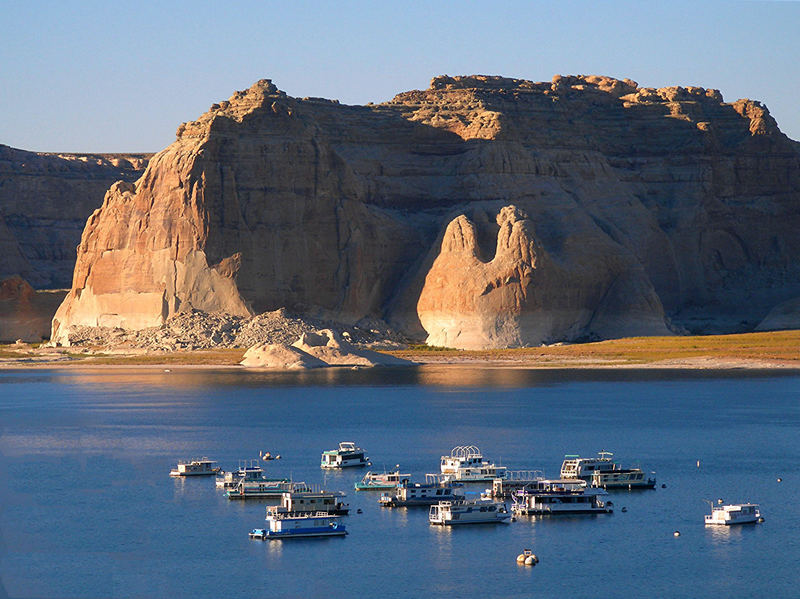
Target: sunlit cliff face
point(481, 212)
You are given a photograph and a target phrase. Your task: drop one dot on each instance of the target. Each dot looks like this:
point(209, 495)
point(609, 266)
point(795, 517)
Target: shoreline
point(778, 350)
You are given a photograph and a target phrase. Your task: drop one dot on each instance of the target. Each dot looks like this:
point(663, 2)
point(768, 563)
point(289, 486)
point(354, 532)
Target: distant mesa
point(481, 212)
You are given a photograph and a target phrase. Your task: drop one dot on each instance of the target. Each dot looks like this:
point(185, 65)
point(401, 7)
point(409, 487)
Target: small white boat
point(346, 456)
point(466, 464)
point(380, 481)
point(198, 467)
point(735, 513)
point(449, 513)
point(292, 526)
point(553, 497)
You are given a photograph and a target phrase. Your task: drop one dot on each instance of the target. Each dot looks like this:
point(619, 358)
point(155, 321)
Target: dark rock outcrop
point(44, 202)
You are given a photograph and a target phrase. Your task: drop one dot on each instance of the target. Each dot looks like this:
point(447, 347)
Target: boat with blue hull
point(294, 526)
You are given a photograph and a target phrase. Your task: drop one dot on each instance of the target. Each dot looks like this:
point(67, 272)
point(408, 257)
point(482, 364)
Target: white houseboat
point(410, 494)
point(380, 481)
point(551, 497)
point(736, 513)
point(199, 467)
point(623, 478)
point(346, 456)
point(603, 472)
point(265, 489)
point(292, 526)
point(449, 513)
point(246, 472)
point(303, 502)
point(466, 464)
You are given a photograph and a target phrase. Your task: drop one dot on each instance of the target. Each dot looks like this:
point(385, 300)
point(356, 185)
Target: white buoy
point(677, 533)
point(780, 480)
point(720, 501)
point(698, 463)
point(761, 519)
point(521, 558)
point(530, 560)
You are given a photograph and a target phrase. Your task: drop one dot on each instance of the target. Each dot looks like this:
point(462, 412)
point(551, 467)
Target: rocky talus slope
point(481, 212)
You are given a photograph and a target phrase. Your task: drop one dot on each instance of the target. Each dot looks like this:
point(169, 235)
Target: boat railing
point(522, 475)
point(435, 478)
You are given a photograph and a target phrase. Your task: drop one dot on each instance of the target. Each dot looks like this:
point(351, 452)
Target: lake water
point(87, 508)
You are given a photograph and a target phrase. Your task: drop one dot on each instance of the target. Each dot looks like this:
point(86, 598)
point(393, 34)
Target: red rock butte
point(482, 212)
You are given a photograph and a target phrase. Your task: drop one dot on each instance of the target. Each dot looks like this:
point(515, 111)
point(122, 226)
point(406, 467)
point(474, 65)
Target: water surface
point(87, 508)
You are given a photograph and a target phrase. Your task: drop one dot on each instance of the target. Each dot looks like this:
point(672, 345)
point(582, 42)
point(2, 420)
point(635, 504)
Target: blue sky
point(107, 77)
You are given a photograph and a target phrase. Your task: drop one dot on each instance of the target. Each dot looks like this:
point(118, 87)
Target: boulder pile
point(316, 349)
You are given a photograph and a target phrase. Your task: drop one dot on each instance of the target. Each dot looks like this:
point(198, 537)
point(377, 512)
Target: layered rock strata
point(44, 202)
point(481, 212)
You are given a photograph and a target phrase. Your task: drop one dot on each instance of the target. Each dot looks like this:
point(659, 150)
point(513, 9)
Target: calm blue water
point(87, 508)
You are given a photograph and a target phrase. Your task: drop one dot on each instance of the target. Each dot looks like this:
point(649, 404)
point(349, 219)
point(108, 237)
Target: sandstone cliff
point(44, 202)
point(481, 212)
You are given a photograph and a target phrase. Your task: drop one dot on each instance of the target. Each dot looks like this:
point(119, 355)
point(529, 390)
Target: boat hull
point(267, 535)
point(343, 465)
point(559, 512)
point(377, 487)
point(210, 473)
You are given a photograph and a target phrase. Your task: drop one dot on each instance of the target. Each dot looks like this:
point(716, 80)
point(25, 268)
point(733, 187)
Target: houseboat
point(199, 467)
point(517, 480)
point(623, 478)
point(466, 464)
point(409, 494)
point(574, 466)
point(346, 456)
point(246, 472)
point(449, 513)
point(303, 502)
point(292, 526)
point(552, 497)
point(265, 489)
point(736, 513)
point(380, 481)
point(603, 472)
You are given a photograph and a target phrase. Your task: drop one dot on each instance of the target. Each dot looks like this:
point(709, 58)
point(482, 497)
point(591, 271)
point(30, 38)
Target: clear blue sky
point(108, 76)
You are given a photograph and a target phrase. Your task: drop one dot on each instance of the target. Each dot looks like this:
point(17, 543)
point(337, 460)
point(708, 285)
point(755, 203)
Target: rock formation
point(315, 349)
point(44, 202)
point(25, 313)
point(481, 212)
point(332, 349)
point(280, 356)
